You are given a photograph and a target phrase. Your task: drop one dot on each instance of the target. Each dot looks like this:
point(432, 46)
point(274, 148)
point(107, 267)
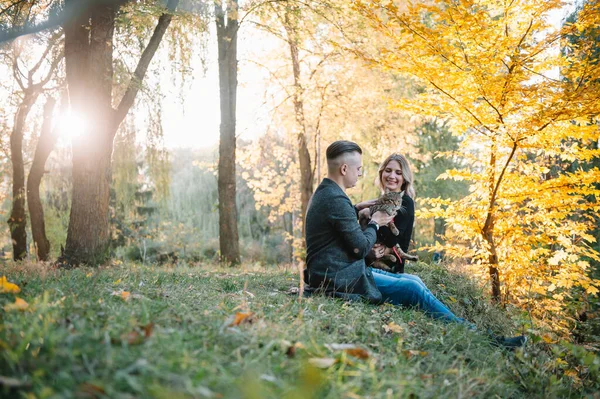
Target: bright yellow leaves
point(7, 287)
point(491, 72)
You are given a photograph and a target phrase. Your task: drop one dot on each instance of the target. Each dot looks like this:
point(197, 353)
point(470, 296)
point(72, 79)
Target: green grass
point(172, 339)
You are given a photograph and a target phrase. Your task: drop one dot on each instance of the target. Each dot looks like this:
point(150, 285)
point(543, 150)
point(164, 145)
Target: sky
point(194, 122)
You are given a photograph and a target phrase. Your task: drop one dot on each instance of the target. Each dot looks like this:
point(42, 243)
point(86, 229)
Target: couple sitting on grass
point(338, 250)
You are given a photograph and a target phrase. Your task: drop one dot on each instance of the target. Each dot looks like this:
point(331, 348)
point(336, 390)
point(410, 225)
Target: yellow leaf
point(592, 290)
point(241, 318)
point(117, 281)
point(19, 304)
point(7, 287)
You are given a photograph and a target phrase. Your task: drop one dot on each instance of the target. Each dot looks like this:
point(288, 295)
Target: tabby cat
point(390, 203)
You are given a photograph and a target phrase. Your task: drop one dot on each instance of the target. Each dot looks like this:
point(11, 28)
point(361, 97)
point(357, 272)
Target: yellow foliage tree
point(522, 106)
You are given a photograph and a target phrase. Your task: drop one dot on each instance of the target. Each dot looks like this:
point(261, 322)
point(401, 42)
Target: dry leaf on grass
point(409, 353)
point(124, 295)
point(19, 304)
point(92, 390)
point(393, 327)
point(136, 336)
point(350, 349)
point(242, 318)
point(322, 362)
point(6, 287)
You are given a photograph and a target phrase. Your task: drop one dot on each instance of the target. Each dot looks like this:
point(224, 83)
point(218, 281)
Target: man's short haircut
point(340, 147)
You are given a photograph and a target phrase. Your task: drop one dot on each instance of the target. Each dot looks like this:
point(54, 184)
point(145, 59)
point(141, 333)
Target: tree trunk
point(17, 221)
point(227, 29)
point(88, 54)
point(44, 147)
point(306, 173)
point(488, 227)
point(89, 62)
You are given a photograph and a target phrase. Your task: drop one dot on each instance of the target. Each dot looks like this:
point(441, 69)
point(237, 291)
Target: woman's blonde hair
point(407, 174)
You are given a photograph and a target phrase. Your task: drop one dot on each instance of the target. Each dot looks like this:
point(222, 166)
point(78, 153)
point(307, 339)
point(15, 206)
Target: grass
point(174, 334)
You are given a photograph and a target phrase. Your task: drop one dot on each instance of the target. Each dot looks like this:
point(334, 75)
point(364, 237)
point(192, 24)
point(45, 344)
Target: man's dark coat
point(336, 246)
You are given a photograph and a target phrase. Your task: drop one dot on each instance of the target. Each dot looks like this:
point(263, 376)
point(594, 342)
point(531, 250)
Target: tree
point(45, 144)
point(30, 92)
point(227, 29)
point(488, 67)
point(89, 69)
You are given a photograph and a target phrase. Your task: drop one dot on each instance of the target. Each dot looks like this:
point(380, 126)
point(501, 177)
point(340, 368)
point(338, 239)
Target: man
point(337, 246)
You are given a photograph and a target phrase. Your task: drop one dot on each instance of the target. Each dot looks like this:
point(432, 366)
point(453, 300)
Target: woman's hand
point(365, 204)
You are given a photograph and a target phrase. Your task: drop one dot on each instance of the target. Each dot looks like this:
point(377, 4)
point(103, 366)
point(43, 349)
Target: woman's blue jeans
point(410, 291)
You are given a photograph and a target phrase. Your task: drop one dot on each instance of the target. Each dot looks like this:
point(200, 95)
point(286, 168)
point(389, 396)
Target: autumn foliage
point(525, 101)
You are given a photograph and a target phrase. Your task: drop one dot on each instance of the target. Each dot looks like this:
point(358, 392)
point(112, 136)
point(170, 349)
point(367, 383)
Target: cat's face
point(393, 197)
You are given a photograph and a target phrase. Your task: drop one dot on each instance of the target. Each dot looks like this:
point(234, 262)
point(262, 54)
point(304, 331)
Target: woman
point(395, 175)
point(402, 289)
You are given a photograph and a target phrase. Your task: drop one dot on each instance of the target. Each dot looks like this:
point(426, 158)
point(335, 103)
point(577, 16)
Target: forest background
point(495, 103)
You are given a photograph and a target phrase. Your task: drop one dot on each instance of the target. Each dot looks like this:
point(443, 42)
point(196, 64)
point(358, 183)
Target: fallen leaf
point(124, 295)
point(322, 362)
point(242, 318)
point(350, 349)
point(19, 304)
point(358, 352)
point(136, 336)
point(116, 281)
point(93, 390)
point(393, 327)
point(548, 339)
point(409, 353)
point(7, 287)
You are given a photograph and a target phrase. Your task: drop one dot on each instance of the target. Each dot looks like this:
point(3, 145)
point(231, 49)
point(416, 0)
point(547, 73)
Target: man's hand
point(364, 214)
point(365, 204)
point(378, 251)
point(382, 218)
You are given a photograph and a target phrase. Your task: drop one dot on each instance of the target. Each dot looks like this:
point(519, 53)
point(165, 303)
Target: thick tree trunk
point(89, 62)
point(88, 53)
point(17, 221)
point(306, 172)
point(44, 147)
point(227, 29)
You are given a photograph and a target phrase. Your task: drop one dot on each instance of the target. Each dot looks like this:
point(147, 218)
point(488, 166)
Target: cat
point(390, 203)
